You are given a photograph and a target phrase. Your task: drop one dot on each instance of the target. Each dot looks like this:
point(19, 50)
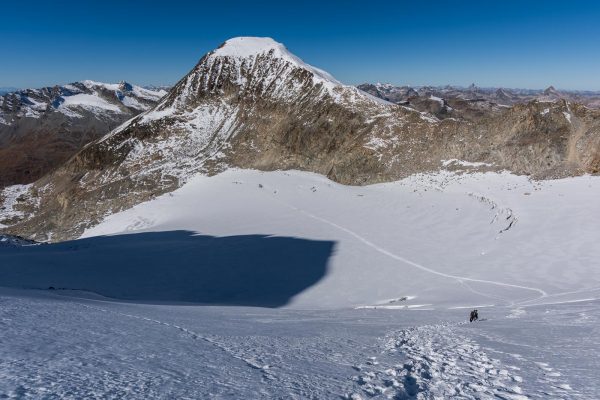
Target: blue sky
point(528, 44)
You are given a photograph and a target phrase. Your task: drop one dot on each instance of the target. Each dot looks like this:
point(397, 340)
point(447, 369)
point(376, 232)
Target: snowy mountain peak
point(248, 47)
point(551, 91)
point(253, 68)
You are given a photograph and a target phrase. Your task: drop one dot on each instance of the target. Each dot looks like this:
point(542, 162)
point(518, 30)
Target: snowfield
point(358, 292)
point(445, 240)
point(56, 346)
point(88, 101)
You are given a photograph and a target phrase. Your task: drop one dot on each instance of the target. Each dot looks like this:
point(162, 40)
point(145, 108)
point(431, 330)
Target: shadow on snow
point(174, 266)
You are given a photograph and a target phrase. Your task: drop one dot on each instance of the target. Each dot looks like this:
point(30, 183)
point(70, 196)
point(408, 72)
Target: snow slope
point(409, 256)
point(429, 241)
point(67, 347)
point(172, 267)
point(90, 102)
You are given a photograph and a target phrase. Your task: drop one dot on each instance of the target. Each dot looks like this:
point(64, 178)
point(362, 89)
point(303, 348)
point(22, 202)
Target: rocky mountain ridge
point(252, 104)
point(76, 98)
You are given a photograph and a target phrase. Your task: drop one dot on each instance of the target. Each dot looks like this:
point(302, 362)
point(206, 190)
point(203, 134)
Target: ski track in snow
point(459, 279)
point(443, 363)
point(532, 302)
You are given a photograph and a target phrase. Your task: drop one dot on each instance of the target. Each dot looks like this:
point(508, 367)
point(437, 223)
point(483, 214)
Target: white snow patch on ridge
point(90, 102)
point(133, 103)
point(148, 94)
point(463, 163)
point(92, 84)
point(438, 99)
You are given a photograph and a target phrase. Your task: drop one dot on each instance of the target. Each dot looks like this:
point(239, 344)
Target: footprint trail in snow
point(438, 362)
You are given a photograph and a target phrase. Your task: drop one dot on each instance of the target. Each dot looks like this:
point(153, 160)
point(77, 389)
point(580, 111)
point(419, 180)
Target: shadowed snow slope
point(173, 266)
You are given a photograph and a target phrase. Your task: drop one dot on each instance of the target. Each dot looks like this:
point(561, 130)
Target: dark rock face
point(252, 104)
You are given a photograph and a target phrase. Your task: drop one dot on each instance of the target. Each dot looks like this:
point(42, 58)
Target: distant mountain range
point(41, 128)
point(453, 101)
point(252, 104)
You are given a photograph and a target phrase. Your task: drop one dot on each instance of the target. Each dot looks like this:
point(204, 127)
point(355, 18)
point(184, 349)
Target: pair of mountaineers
point(474, 316)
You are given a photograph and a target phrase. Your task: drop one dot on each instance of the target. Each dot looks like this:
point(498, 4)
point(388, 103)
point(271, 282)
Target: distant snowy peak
point(41, 128)
point(77, 99)
point(4, 90)
point(126, 89)
point(249, 46)
point(550, 94)
point(476, 96)
point(550, 90)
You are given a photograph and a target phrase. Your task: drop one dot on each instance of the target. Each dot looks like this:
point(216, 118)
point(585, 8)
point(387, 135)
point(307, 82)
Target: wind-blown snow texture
point(65, 347)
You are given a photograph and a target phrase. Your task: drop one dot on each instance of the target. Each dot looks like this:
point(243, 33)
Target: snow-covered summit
point(253, 68)
point(250, 47)
point(246, 46)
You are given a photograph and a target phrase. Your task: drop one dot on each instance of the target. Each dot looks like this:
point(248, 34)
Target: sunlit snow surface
point(387, 320)
point(444, 239)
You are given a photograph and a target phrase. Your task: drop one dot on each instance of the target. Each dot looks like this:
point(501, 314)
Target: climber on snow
point(474, 316)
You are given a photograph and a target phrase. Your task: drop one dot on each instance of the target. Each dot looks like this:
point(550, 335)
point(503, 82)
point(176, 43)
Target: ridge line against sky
point(516, 44)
